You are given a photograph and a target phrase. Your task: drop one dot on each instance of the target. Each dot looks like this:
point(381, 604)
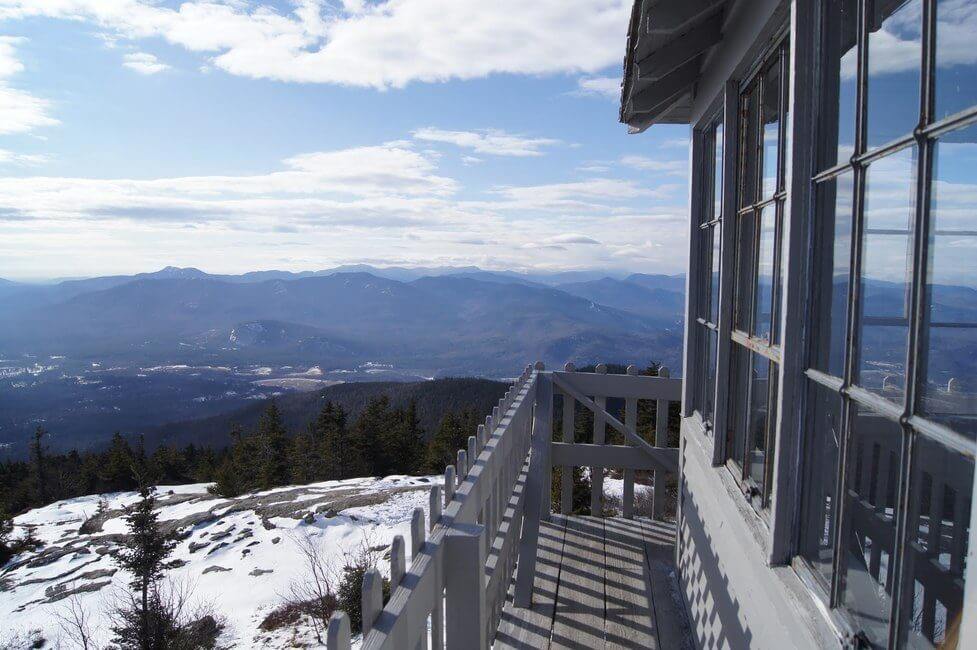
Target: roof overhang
point(668, 43)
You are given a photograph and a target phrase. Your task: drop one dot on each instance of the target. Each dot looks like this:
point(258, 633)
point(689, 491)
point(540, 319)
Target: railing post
point(338, 633)
point(597, 473)
point(437, 614)
point(372, 599)
point(462, 465)
point(630, 421)
point(418, 534)
point(449, 484)
point(566, 473)
point(661, 440)
point(398, 565)
point(464, 571)
point(536, 501)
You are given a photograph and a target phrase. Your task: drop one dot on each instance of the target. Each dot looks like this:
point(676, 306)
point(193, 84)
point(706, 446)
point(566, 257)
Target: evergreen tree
point(273, 442)
point(305, 465)
point(369, 434)
point(119, 469)
point(145, 624)
point(340, 454)
point(39, 463)
point(6, 528)
point(403, 441)
point(445, 443)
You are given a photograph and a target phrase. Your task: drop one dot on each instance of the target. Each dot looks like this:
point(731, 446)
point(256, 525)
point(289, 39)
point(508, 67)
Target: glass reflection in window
point(886, 272)
point(870, 502)
point(894, 58)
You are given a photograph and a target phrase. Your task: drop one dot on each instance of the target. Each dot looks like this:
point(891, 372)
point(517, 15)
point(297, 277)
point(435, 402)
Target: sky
point(239, 135)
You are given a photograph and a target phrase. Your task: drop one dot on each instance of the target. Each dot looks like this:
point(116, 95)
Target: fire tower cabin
point(809, 482)
point(829, 407)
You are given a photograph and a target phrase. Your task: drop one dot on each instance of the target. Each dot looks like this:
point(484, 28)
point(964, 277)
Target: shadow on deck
point(600, 583)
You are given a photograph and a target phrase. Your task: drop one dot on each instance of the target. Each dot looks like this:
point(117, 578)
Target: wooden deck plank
point(601, 583)
point(670, 617)
point(531, 628)
point(628, 620)
point(578, 623)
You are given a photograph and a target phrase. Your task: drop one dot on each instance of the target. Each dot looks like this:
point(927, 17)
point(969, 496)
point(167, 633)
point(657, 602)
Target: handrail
point(569, 454)
point(458, 575)
point(494, 498)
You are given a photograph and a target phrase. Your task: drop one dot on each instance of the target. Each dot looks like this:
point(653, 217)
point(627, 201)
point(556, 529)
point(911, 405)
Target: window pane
point(762, 421)
point(745, 270)
point(748, 145)
point(939, 524)
point(707, 244)
point(894, 60)
point(833, 241)
point(820, 504)
point(717, 208)
point(956, 24)
point(765, 272)
point(770, 110)
point(710, 389)
point(950, 390)
point(870, 503)
point(741, 371)
point(886, 272)
point(714, 273)
point(838, 86)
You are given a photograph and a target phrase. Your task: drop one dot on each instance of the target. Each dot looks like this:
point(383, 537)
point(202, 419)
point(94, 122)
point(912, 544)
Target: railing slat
point(397, 564)
point(566, 473)
point(597, 471)
point(661, 440)
point(630, 421)
point(338, 633)
point(372, 599)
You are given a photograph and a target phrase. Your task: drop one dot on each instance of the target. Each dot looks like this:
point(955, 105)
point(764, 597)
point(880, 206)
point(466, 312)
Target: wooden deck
point(600, 583)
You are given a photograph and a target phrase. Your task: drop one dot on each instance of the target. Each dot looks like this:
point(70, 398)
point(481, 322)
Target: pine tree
point(444, 445)
point(145, 624)
point(39, 463)
point(119, 469)
point(402, 440)
point(340, 453)
point(6, 528)
point(369, 434)
point(273, 440)
point(305, 464)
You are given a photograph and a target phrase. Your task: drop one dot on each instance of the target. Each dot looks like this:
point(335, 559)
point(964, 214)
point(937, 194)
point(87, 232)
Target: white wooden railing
point(488, 514)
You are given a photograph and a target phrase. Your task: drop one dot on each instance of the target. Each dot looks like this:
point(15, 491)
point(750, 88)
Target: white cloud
point(571, 238)
point(382, 45)
point(20, 111)
point(21, 159)
point(470, 160)
point(668, 167)
point(144, 63)
point(609, 87)
point(492, 142)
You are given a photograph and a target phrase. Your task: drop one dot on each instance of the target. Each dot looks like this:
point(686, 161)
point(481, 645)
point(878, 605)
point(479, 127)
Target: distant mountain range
point(443, 320)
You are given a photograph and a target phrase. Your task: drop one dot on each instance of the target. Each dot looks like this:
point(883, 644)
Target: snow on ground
point(239, 555)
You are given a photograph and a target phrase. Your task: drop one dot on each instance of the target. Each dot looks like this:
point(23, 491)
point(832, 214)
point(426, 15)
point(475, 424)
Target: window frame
point(701, 283)
point(778, 52)
point(907, 413)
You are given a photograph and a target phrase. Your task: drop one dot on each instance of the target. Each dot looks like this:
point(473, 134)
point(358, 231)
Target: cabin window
point(755, 351)
point(708, 231)
point(891, 417)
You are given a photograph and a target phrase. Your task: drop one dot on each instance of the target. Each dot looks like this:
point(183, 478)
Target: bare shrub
point(75, 622)
point(178, 620)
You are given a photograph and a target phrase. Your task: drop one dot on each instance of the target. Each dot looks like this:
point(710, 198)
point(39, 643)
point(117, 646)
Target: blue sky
point(237, 135)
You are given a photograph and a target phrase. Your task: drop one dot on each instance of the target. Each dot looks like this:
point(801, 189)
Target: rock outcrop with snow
point(241, 556)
